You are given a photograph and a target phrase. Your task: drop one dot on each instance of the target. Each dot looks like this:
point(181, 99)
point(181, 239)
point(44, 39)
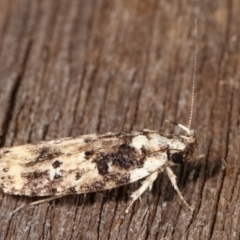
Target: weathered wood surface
point(73, 67)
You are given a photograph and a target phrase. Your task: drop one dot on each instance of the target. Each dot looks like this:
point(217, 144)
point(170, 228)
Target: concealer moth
point(96, 162)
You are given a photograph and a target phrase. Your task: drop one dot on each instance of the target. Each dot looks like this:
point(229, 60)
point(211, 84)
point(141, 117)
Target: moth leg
point(45, 200)
point(146, 184)
point(19, 208)
point(172, 178)
point(36, 202)
point(137, 194)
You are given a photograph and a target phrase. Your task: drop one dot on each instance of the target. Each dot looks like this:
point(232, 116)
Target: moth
point(94, 162)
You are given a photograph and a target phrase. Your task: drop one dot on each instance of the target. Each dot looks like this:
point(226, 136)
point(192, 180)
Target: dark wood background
point(74, 67)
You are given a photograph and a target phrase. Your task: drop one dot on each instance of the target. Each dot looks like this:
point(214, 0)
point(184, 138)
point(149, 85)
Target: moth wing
point(79, 165)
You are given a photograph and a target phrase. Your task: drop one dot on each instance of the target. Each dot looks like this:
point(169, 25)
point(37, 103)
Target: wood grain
point(74, 67)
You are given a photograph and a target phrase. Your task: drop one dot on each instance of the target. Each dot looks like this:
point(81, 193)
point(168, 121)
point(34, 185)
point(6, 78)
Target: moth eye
point(177, 158)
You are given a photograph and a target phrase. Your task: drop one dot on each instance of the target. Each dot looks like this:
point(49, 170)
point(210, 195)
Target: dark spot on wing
point(88, 154)
point(35, 175)
point(57, 176)
point(124, 157)
point(47, 153)
point(127, 157)
point(5, 169)
point(102, 165)
point(43, 154)
point(144, 150)
point(78, 175)
point(57, 164)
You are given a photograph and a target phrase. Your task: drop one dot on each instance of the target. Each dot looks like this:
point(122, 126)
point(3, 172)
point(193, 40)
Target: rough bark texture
point(74, 67)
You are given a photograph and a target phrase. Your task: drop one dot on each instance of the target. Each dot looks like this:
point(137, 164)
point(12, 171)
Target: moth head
point(183, 146)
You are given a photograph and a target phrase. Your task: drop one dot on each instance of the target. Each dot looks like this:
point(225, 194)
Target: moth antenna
point(194, 74)
point(181, 126)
